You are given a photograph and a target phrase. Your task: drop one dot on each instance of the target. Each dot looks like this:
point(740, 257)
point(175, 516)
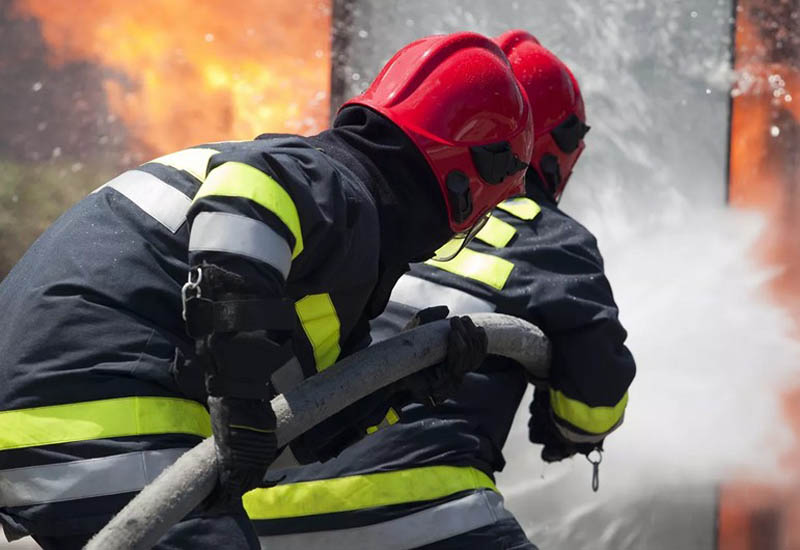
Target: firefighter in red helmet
point(425, 477)
point(226, 273)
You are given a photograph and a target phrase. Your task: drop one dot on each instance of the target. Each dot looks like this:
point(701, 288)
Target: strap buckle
point(595, 457)
point(191, 289)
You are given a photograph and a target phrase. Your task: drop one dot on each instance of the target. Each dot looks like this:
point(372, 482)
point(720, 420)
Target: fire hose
point(184, 485)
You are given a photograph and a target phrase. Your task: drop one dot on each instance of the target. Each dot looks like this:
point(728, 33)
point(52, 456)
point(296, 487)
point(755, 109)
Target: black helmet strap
point(495, 161)
point(568, 134)
point(458, 194)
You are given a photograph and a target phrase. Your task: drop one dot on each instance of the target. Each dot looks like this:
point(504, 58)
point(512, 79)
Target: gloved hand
point(466, 351)
point(542, 430)
point(245, 442)
point(237, 381)
point(236, 351)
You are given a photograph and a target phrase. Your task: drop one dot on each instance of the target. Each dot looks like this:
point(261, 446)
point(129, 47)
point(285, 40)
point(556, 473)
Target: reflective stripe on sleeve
point(224, 232)
point(420, 293)
point(485, 268)
point(391, 418)
point(521, 207)
point(349, 493)
point(496, 232)
point(321, 325)
point(593, 420)
point(236, 179)
point(110, 475)
point(577, 436)
point(158, 199)
point(120, 417)
point(428, 526)
point(194, 161)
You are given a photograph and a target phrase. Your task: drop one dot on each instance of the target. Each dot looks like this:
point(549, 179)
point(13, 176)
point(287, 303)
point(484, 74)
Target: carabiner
point(191, 286)
point(595, 467)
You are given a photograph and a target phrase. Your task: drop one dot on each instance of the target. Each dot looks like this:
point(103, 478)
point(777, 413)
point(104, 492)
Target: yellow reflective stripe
point(194, 161)
point(391, 418)
point(595, 420)
point(496, 232)
point(118, 417)
point(349, 493)
point(520, 207)
point(321, 325)
point(487, 269)
point(236, 179)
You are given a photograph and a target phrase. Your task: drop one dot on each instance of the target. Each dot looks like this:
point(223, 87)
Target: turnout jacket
point(435, 467)
point(90, 410)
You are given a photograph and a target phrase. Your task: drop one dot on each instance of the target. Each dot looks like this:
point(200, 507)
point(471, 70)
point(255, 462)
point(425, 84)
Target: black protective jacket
point(534, 262)
point(90, 408)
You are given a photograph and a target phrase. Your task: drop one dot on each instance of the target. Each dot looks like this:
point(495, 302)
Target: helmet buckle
point(495, 161)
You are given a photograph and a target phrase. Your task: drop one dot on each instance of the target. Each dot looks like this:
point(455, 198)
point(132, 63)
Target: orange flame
point(765, 174)
point(185, 72)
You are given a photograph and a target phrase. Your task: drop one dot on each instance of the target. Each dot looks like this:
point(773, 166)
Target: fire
point(765, 173)
point(185, 72)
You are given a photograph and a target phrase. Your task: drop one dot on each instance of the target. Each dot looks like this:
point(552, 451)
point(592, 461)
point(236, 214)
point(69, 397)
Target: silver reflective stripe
point(419, 293)
point(235, 234)
point(160, 200)
point(578, 437)
point(440, 522)
point(78, 479)
point(289, 375)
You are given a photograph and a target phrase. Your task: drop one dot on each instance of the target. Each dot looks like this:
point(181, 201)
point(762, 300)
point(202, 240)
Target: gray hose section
point(184, 485)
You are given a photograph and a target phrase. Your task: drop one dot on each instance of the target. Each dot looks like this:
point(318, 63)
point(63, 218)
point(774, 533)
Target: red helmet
point(558, 113)
point(456, 97)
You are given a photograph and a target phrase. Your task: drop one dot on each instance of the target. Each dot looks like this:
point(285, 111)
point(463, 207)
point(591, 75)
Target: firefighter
point(425, 477)
point(236, 270)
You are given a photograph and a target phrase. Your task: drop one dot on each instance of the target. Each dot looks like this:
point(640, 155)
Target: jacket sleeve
point(244, 219)
point(262, 212)
point(571, 300)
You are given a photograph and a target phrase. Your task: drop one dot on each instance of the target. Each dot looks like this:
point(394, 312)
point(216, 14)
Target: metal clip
point(191, 286)
point(595, 462)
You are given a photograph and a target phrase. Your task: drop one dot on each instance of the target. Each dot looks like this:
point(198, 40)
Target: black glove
point(542, 430)
point(466, 351)
point(235, 349)
point(245, 442)
point(237, 381)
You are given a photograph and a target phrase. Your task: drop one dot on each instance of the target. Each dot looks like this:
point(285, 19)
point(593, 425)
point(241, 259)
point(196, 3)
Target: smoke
point(714, 358)
point(716, 355)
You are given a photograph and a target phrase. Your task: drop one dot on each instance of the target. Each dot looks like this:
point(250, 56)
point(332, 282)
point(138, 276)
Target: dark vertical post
point(341, 33)
point(734, 20)
point(765, 529)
